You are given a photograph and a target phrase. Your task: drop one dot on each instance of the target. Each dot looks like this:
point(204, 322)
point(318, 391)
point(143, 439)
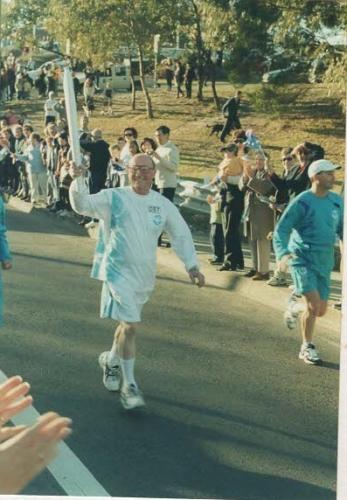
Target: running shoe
point(277, 281)
point(309, 355)
point(131, 397)
point(290, 320)
point(112, 374)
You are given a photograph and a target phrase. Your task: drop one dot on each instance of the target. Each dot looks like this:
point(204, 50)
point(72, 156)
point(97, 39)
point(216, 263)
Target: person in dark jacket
point(188, 79)
point(230, 112)
point(99, 159)
point(297, 179)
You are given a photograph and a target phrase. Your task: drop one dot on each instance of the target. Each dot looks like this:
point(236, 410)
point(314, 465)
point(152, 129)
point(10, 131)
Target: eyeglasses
point(287, 158)
point(143, 170)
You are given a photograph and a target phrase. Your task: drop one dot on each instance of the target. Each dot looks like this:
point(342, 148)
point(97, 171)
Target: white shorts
point(126, 306)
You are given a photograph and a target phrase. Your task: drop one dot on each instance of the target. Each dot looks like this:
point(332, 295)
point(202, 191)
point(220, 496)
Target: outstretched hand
point(25, 455)
point(13, 398)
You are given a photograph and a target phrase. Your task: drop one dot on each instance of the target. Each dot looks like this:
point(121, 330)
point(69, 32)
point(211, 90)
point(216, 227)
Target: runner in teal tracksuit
point(307, 233)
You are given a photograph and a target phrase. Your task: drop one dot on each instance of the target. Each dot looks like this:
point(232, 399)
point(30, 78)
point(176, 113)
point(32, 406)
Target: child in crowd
point(108, 99)
point(114, 168)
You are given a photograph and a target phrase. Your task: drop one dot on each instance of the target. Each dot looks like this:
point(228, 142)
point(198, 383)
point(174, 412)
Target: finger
point(13, 394)
point(10, 384)
point(9, 432)
point(55, 427)
point(14, 409)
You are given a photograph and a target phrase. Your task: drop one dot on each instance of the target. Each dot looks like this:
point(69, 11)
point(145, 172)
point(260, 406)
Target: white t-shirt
point(130, 224)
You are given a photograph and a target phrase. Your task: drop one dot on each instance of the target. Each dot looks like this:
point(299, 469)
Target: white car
point(33, 74)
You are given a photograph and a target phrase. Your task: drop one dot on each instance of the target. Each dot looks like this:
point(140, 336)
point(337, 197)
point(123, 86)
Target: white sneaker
point(90, 225)
point(112, 374)
point(131, 397)
point(290, 320)
point(309, 355)
point(277, 281)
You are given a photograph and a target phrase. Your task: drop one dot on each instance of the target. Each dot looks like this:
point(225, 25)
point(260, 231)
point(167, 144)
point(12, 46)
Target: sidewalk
point(273, 297)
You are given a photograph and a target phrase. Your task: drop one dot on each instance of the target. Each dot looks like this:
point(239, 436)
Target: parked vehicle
point(296, 72)
point(118, 75)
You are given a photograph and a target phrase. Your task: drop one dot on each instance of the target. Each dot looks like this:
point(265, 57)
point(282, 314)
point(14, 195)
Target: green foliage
point(273, 99)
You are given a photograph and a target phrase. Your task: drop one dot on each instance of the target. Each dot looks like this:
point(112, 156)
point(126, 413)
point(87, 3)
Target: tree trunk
point(200, 51)
point(144, 89)
point(213, 69)
point(133, 88)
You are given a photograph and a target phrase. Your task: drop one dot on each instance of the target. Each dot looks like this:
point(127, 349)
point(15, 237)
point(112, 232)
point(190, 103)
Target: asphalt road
point(231, 412)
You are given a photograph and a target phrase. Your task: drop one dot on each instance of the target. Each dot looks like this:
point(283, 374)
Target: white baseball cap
point(319, 166)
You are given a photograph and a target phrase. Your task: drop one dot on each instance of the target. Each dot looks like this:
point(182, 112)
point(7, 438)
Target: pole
point(342, 426)
point(1, 30)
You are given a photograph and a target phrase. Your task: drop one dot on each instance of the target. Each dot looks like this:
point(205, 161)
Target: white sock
point(113, 358)
point(127, 366)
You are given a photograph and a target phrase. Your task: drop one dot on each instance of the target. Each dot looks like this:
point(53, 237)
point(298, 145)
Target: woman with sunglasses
point(130, 136)
point(280, 203)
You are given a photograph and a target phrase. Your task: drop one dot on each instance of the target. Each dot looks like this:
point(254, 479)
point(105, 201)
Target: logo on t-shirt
point(157, 219)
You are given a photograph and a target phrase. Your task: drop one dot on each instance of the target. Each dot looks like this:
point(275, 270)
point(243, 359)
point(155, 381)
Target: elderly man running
point(132, 218)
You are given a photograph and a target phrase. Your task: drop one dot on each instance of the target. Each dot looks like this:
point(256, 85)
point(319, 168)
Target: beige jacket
point(167, 166)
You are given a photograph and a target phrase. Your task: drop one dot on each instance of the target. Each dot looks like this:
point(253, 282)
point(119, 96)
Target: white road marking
point(73, 477)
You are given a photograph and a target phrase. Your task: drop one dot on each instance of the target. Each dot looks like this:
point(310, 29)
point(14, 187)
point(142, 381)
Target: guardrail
point(192, 195)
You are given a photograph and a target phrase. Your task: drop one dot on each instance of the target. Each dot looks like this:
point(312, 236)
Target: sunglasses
point(287, 158)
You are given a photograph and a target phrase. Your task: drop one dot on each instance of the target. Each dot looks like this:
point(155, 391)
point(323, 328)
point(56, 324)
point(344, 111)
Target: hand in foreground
point(25, 455)
point(6, 265)
point(196, 277)
point(13, 398)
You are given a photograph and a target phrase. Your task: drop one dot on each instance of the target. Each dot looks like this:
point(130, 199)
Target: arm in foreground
point(25, 451)
point(183, 245)
point(90, 205)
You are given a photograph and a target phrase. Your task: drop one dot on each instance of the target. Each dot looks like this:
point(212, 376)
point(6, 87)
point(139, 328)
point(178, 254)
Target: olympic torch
point(71, 113)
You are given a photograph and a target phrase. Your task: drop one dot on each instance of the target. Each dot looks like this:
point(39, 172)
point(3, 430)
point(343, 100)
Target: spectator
point(37, 174)
point(166, 159)
point(179, 72)
point(216, 229)
point(108, 99)
point(229, 173)
point(130, 135)
point(230, 112)
point(258, 216)
point(41, 83)
point(50, 112)
point(99, 159)
point(76, 85)
point(281, 200)
point(63, 176)
point(297, 179)
point(17, 167)
point(89, 90)
point(24, 193)
point(114, 167)
point(3, 85)
point(168, 73)
point(51, 160)
point(188, 79)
